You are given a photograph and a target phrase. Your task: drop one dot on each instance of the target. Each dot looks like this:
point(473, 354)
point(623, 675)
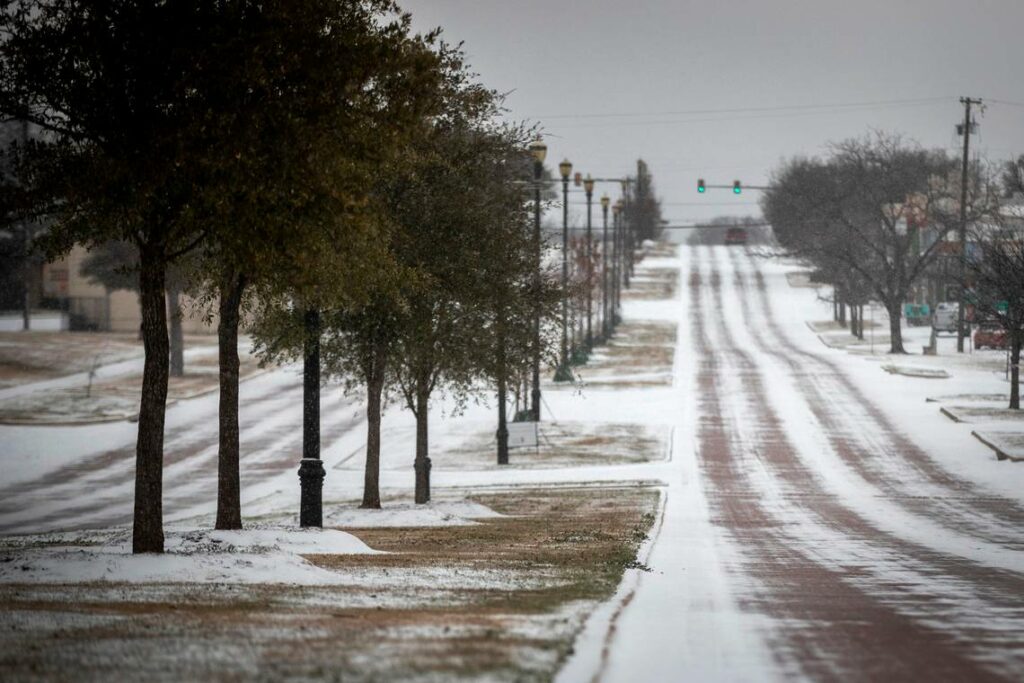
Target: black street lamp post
point(627, 237)
point(605, 331)
point(311, 470)
point(617, 258)
point(538, 150)
point(563, 373)
point(588, 186)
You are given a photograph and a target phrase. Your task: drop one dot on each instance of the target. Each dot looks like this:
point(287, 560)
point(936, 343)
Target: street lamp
point(588, 187)
point(605, 331)
point(538, 150)
point(627, 234)
point(311, 469)
point(616, 260)
point(562, 373)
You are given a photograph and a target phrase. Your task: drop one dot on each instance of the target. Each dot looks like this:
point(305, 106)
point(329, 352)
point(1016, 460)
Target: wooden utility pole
point(961, 314)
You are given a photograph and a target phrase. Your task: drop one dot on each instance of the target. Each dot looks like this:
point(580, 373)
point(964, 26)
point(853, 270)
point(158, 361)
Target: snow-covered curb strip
point(990, 441)
point(126, 416)
point(591, 648)
point(432, 514)
point(271, 555)
point(916, 371)
point(116, 369)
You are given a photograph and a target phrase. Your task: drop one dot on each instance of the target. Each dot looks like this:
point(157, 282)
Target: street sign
point(522, 434)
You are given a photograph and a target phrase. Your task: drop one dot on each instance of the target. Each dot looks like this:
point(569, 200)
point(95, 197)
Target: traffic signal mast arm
point(730, 187)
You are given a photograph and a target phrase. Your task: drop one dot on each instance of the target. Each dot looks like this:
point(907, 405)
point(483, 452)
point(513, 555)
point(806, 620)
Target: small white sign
point(522, 434)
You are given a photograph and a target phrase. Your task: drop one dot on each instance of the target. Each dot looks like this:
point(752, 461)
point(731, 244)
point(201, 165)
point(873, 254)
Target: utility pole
point(961, 314)
point(588, 186)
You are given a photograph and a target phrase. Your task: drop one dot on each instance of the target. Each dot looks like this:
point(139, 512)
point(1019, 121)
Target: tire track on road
point(189, 473)
point(880, 641)
point(957, 504)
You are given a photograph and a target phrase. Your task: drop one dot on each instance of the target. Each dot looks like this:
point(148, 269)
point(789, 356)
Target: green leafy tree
point(467, 186)
point(111, 85)
point(321, 95)
point(160, 123)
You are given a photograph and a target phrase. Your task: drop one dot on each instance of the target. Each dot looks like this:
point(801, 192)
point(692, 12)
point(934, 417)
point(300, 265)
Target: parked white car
point(945, 317)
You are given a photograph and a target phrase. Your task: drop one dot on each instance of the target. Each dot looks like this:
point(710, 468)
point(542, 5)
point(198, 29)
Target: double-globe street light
point(605, 329)
point(563, 373)
point(617, 260)
point(588, 187)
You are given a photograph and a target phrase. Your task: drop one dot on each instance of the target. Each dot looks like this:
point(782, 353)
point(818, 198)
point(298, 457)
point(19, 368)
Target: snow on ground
point(447, 511)
point(684, 610)
point(688, 613)
point(258, 554)
point(906, 400)
point(808, 436)
point(107, 370)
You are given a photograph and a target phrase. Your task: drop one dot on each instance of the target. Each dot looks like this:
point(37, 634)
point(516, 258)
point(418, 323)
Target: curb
point(599, 628)
point(1000, 453)
point(129, 417)
point(951, 415)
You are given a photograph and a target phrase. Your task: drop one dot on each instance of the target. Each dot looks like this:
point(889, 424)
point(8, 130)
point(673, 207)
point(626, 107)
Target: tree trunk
point(860, 322)
point(842, 312)
point(502, 421)
point(26, 279)
point(147, 530)
point(229, 506)
point(853, 320)
point(374, 394)
point(422, 465)
point(26, 276)
point(895, 327)
point(1015, 343)
point(177, 336)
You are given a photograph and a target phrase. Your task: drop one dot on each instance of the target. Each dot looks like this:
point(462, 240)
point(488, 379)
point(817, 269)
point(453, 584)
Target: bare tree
point(874, 213)
point(996, 276)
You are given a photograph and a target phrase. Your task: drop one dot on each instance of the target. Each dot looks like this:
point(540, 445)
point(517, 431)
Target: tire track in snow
point(984, 605)
point(103, 498)
point(180, 443)
point(827, 625)
point(866, 438)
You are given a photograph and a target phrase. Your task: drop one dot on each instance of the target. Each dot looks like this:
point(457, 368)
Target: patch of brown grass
point(580, 540)
point(652, 284)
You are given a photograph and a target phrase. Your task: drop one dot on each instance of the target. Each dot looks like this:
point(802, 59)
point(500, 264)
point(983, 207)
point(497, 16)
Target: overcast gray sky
point(575, 67)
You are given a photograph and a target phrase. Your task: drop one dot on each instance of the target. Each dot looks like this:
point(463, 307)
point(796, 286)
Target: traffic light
point(736, 188)
point(700, 186)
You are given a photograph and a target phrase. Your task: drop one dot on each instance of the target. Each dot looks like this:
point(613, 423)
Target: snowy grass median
point(501, 598)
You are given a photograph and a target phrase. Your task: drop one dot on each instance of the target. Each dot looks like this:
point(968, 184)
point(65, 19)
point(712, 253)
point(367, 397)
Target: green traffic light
point(736, 189)
point(700, 186)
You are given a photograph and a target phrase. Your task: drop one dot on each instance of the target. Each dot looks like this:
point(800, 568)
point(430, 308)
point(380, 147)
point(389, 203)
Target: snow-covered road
point(815, 538)
point(820, 520)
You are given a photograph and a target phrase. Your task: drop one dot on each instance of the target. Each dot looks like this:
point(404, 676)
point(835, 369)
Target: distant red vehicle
point(736, 236)
point(991, 336)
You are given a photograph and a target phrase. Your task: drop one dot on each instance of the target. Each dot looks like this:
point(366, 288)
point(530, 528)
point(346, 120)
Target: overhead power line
point(1006, 102)
point(743, 110)
point(720, 119)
